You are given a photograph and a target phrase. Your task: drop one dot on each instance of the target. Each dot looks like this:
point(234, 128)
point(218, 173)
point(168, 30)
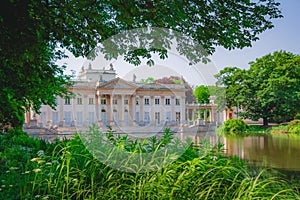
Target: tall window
point(156, 100)
point(115, 101)
point(147, 117)
point(137, 102)
point(91, 100)
point(157, 117)
point(79, 101)
point(67, 101)
point(167, 101)
point(177, 102)
point(91, 117)
point(67, 117)
point(79, 119)
point(126, 101)
point(137, 116)
point(168, 116)
point(103, 101)
point(55, 118)
point(147, 101)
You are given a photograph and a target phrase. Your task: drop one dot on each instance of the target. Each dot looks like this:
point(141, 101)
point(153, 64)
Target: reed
point(67, 170)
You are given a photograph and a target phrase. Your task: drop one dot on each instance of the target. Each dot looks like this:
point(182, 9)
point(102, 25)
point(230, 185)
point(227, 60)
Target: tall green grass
point(34, 169)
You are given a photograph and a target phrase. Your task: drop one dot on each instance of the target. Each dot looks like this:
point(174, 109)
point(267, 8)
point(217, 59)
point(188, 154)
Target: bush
point(234, 126)
point(297, 116)
point(293, 126)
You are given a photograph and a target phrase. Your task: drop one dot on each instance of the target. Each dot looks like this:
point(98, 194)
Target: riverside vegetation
point(237, 127)
point(35, 169)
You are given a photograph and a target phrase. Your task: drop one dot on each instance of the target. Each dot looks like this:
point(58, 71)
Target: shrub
point(297, 116)
point(234, 126)
point(293, 126)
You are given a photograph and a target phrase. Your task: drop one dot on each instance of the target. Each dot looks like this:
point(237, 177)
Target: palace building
point(102, 98)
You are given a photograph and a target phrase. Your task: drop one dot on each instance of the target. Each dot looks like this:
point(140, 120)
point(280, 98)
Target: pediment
point(117, 83)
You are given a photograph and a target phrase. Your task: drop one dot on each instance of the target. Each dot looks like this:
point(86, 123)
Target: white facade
point(101, 98)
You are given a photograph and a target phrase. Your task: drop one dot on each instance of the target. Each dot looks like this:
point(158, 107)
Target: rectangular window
point(55, 118)
point(157, 117)
point(103, 101)
point(147, 117)
point(167, 101)
point(67, 118)
point(67, 101)
point(91, 100)
point(115, 101)
point(177, 116)
point(168, 116)
point(137, 116)
point(177, 102)
point(147, 101)
point(79, 101)
point(156, 101)
point(79, 119)
point(126, 101)
point(91, 117)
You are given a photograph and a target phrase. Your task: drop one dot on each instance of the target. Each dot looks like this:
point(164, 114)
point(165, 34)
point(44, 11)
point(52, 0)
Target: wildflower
point(37, 170)
point(34, 159)
point(14, 168)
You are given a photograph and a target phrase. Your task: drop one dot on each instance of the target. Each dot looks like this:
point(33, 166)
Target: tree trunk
point(265, 122)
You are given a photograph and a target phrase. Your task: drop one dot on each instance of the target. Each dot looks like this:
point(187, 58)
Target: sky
point(284, 36)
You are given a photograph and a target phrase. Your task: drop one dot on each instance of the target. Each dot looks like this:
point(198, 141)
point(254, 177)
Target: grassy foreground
point(35, 169)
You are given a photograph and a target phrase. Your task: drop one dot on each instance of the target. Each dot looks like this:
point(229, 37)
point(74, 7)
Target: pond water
point(274, 151)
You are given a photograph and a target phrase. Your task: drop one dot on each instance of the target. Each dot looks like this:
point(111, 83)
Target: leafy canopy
point(32, 31)
point(270, 89)
point(202, 94)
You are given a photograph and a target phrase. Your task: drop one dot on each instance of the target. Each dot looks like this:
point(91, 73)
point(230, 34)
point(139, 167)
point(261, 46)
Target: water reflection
point(275, 151)
point(281, 152)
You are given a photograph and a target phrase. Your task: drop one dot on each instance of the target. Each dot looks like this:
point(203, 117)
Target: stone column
point(211, 115)
point(122, 110)
point(163, 110)
point(110, 109)
point(205, 115)
point(142, 108)
point(193, 116)
point(199, 116)
point(182, 110)
point(132, 109)
point(152, 115)
point(99, 108)
point(173, 102)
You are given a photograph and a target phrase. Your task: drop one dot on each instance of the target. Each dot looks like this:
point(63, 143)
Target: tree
point(32, 31)
point(270, 89)
point(202, 94)
point(148, 80)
